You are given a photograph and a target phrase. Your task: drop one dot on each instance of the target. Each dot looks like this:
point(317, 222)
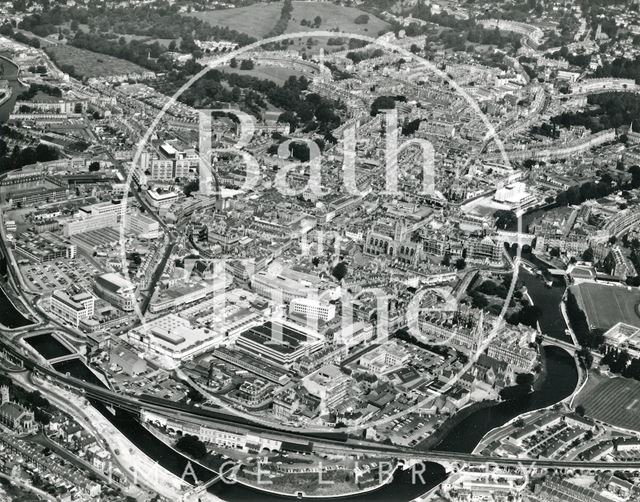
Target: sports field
point(606, 305)
point(259, 19)
point(91, 64)
point(615, 401)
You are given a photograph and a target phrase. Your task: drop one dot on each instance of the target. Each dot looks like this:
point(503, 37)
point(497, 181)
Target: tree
point(382, 103)
point(233, 63)
point(339, 271)
point(460, 263)
point(505, 219)
point(246, 64)
point(192, 446)
point(290, 118)
point(94, 166)
point(317, 21)
point(635, 176)
point(587, 255)
point(580, 410)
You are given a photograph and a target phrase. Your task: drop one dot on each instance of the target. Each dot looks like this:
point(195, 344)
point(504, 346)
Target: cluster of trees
point(528, 315)
point(42, 409)
point(155, 21)
point(361, 19)
point(620, 362)
point(505, 219)
point(581, 60)
point(411, 127)
point(580, 325)
point(7, 30)
point(34, 89)
point(611, 110)
point(340, 271)
point(192, 446)
point(317, 21)
point(26, 156)
point(577, 194)
point(146, 55)
point(405, 336)
point(283, 20)
point(620, 68)
point(545, 129)
point(357, 56)
point(488, 287)
point(382, 103)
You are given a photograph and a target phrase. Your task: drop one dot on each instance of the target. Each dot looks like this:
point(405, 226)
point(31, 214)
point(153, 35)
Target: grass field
point(605, 305)
point(91, 64)
point(275, 73)
point(615, 401)
point(257, 20)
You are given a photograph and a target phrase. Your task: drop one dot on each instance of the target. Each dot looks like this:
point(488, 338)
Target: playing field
point(91, 64)
point(615, 401)
point(259, 19)
point(605, 305)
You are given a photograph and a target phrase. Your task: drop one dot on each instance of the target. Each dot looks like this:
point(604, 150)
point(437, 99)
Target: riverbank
point(10, 71)
point(10, 316)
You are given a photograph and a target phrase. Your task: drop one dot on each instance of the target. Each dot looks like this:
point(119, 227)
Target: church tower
point(478, 333)
point(4, 394)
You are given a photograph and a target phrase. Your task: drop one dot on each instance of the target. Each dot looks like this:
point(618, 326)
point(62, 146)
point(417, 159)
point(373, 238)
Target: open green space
point(90, 64)
point(615, 401)
point(259, 19)
point(606, 305)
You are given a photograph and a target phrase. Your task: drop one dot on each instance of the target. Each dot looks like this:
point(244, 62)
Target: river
point(9, 71)
point(560, 381)
point(10, 316)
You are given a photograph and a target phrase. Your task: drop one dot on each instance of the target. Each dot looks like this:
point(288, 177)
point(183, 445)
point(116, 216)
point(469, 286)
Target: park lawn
point(615, 401)
point(334, 17)
point(259, 19)
point(606, 305)
point(255, 20)
point(91, 64)
point(277, 74)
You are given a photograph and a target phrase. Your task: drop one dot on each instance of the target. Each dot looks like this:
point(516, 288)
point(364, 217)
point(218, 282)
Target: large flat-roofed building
point(115, 207)
point(174, 337)
point(163, 199)
point(184, 294)
point(278, 342)
point(87, 222)
point(72, 308)
point(313, 308)
point(115, 289)
point(286, 285)
point(253, 364)
point(142, 225)
point(329, 384)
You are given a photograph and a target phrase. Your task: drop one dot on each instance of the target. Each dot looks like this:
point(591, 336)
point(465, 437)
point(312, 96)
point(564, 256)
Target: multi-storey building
point(329, 384)
point(281, 343)
point(116, 290)
point(72, 308)
point(313, 308)
point(89, 222)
